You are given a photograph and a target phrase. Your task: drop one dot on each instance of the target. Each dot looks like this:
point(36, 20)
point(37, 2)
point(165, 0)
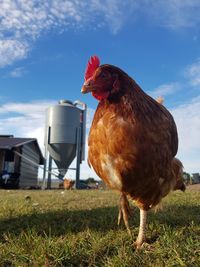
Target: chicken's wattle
point(100, 95)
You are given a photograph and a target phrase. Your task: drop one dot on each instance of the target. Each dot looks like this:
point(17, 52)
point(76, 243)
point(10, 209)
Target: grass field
point(78, 228)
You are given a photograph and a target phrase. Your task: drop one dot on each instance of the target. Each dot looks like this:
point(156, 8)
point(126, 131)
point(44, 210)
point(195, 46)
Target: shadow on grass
point(179, 216)
point(58, 223)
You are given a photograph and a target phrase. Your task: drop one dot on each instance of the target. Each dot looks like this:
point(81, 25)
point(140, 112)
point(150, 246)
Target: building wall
point(28, 172)
point(17, 160)
point(196, 178)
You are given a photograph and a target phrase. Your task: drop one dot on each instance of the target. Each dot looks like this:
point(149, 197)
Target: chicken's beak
point(87, 87)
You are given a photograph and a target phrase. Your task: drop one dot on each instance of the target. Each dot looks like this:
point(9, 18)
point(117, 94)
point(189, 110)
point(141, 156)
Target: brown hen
point(132, 141)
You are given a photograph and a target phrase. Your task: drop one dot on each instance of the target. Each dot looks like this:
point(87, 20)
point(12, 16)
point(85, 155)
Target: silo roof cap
point(65, 101)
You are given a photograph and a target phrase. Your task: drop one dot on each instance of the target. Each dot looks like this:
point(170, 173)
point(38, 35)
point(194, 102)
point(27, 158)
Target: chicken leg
point(142, 230)
point(124, 212)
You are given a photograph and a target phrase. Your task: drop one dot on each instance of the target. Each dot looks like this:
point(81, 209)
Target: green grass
point(78, 228)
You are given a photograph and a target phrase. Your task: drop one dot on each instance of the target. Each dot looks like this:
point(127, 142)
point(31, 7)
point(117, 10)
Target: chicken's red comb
point(92, 65)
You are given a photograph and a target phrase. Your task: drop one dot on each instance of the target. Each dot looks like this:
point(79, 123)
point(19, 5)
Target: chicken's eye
point(102, 75)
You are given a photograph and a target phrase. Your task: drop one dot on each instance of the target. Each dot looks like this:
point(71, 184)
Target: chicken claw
point(124, 212)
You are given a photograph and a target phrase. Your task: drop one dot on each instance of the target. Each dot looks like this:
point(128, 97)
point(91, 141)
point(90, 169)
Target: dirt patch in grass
point(193, 187)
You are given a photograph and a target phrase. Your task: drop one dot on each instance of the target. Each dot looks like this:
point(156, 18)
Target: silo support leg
point(78, 154)
point(49, 173)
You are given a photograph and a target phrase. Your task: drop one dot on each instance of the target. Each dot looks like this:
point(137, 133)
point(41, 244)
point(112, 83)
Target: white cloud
point(24, 119)
point(115, 12)
point(165, 89)
point(175, 14)
point(32, 109)
point(30, 18)
point(187, 118)
point(193, 73)
point(23, 21)
point(17, 72)
point(11, 51)
point(90, 115)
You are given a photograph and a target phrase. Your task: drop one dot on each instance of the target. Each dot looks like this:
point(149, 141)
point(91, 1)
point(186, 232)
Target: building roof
point(11, 142)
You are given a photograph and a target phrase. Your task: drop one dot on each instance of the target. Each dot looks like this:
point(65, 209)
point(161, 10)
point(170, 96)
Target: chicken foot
point(142, 229)
point(124, 212)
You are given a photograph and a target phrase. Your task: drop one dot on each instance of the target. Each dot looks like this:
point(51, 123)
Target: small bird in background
point(132, 141)
point(68, 184)
point(160, 100)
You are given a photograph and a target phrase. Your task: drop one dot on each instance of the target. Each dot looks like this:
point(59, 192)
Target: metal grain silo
point(65, 135)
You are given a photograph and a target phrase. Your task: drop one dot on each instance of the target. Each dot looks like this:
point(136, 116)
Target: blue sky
point(45, 45)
